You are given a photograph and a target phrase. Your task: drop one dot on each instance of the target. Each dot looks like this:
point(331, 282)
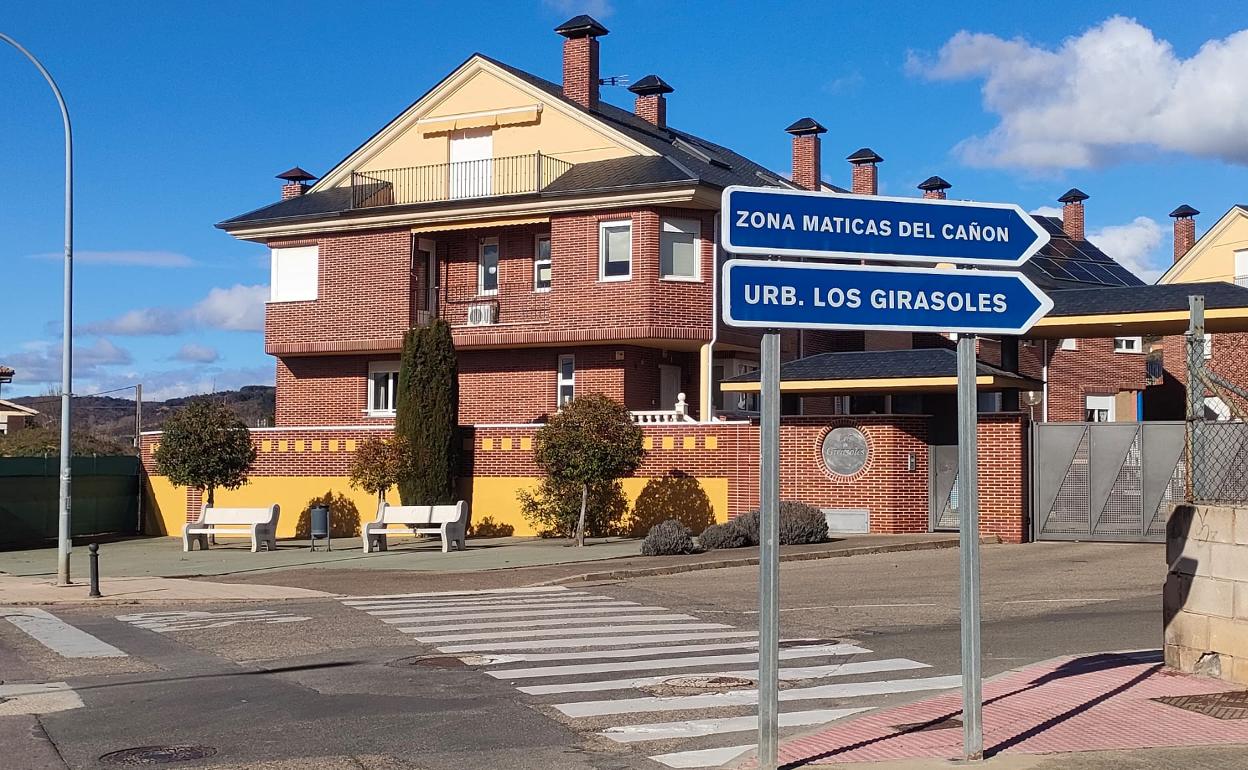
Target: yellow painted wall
point(1216, 260)
point(554, 133)
point(165, 505)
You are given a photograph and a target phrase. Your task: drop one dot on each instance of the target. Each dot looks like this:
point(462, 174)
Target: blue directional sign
point(796, 223)
point(814, 295)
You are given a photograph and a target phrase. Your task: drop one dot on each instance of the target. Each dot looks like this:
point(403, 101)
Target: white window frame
point(561, 381)
point(383, 367)
point(300, 283)
point(602, 250)
point(1107, 404)
point(1241, 267)
point(498, 263)
point(1207, 345)
point(538, 261)
point(1068, 343)
point(682, 226)
point(1129, 345)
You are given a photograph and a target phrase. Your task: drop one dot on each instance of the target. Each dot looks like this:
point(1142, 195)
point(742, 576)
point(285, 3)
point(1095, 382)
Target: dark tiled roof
point(631, 171)
point(874, 364)
point(1145, 299)
point(335, 200)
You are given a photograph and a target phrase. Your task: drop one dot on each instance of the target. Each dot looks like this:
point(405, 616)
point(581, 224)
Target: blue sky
point(184, 112)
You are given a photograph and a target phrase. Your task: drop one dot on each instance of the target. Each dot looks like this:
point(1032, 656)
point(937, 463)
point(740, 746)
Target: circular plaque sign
point(844, 451)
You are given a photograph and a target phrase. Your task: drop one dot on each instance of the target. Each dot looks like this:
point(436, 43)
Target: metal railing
point(511, 175)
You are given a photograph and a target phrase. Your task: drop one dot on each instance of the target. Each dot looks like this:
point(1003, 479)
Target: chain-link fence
point(1217, 427)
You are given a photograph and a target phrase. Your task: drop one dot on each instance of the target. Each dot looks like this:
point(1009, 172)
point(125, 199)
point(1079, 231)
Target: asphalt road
point(305, 684)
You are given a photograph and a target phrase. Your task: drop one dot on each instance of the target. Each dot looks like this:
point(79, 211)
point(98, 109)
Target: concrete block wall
point(1205, 602)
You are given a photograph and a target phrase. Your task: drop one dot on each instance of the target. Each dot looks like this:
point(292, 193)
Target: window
point(383, 387)
point(615, 251)
point(1099, 408)
point(1241, 267)
point(1208, 343)
point(678, 249)
point(487, 267)
point(293, 275)
point(541, 263)
point(1068, 344)
point(566, 380)
point(1128, 344)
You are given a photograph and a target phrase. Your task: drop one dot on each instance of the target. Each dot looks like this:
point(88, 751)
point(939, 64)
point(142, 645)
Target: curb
point(749, 561)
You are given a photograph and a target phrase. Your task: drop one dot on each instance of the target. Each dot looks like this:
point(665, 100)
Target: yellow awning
point(480, 224)
point(485, 119)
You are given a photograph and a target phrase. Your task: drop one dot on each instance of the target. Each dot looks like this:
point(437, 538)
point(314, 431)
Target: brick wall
point(1092, 369)
point(1229, 361)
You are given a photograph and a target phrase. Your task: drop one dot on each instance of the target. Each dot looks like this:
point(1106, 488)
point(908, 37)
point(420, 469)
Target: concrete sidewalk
point(129, 590)
point(1095, 703)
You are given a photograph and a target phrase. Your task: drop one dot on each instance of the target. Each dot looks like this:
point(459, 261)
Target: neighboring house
point(1221, 254)
point(14, 416)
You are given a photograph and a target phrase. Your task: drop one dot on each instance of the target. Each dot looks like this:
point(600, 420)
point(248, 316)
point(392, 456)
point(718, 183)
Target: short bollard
point(94, 548)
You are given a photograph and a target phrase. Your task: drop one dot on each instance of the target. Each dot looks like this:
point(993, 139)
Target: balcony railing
point(512, 175)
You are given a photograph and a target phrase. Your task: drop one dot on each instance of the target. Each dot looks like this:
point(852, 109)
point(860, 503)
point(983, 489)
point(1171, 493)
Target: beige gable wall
point(1213, 258)
point(554, 133)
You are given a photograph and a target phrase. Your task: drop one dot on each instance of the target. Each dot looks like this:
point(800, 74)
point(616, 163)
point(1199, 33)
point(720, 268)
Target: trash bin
point(320, 526)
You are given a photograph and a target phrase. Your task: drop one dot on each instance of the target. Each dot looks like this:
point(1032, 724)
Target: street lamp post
point(63, 528)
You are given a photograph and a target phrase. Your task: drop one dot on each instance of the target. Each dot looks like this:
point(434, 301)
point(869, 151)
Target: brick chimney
point(296, 182)
point(807, 153)
point(934, 187)
point(651, 102)
point(865, 181)
point(1184, 230)
point(1072, 213)
point(580, 59)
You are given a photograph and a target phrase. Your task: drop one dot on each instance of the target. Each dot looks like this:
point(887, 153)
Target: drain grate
point(157, 755)
point(428, 661)
point(946, 723)
point(1219, 705)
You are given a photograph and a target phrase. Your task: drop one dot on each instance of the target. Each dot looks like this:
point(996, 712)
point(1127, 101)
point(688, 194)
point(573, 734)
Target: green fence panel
point(105, 497)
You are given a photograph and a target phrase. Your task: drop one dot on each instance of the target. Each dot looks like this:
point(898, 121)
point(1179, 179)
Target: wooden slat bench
point(449, 521)
point(260, 524)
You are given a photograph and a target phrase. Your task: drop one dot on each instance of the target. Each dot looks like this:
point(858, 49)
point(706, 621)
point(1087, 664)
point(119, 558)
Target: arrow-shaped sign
point(796, 223)
point(812, 295)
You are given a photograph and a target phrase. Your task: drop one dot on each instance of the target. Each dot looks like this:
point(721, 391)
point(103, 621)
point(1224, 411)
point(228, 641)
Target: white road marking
point(619, 641)
point(482, 608)
point(702, 757)
point(57, 635)
point(632, 652)
point(788, 653)
point(750, 697)
point(696, 728)
point(533, 623)
point(793, 674)
point(569, 596)
point(538, 613)
point(45, 698)
point(194, 620)
point(470, 593)
point(482, 621)
point(581, 631)
point(1055, 601)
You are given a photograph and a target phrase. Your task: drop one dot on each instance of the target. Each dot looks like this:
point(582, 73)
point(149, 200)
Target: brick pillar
point(651, 104)
point(1184, 230)
point(580, 59)
point(293, 190)
point(864, 180)
point(934, 187)
point(807, 153)
point(1072, 213)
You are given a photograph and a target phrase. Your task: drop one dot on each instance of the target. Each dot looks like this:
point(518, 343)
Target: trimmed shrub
point(553, 507)
point(720, 536)
point(747, 525)
point(799, 523)
point(667, 538)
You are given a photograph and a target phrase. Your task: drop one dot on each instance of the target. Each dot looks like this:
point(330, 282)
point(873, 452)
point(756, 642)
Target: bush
point(554, 508)
point(667, 538)
point(720, 536)
point(487, 527)
point(799, 523)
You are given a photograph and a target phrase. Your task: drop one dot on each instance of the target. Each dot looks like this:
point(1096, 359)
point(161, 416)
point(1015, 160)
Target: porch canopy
point(925, 370)
point(1133, 311)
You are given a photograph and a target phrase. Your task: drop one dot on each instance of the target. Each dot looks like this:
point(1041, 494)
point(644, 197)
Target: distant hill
point(112, 418)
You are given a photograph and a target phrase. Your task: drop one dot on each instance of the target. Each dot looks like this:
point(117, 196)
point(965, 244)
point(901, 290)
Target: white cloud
point(599, 9)
point(1047, 211)
point(237, 308)
point(1113, 90)
point(124, 258)
point(198, 354)
point(174, 383)
point(1134, 246)
point(40, 361)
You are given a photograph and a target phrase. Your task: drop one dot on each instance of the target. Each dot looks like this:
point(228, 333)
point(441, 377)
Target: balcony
point(511, 175)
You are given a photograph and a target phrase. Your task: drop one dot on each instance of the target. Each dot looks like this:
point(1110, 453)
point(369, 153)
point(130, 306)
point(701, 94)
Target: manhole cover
point(788, 643)
point(428, 661)
point(157, 755)
point(947, 723)
point(709, 682)
point(1219, 705)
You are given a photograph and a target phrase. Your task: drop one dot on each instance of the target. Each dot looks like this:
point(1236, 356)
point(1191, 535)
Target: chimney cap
point(864, 155)
point(806, 126)
point(581, 26)
point(1073, 195)
point(934, 183)
point(296, 174)
point(651, 85)
point(1184, 211)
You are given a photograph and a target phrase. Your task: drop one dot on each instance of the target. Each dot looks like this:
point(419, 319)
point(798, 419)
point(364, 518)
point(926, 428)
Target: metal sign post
point(768, 552)
point(968, 541)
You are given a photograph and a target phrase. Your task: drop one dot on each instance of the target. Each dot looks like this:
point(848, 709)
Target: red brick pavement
point(1090, 703)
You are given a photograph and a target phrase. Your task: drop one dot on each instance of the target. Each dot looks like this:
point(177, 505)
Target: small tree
point(204, 445)
point(378, 465)
point(592, 440)
point(427, 418)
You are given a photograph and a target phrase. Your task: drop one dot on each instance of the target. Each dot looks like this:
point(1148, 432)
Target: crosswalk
point(668, 681)
point(194, 620)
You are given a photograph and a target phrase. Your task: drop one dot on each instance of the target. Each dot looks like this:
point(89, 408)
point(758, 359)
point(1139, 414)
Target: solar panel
point(1078, 271)
point(1051, 269)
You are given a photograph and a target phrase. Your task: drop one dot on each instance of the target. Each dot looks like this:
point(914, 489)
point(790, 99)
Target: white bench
point(260, 524)
point(449, 521)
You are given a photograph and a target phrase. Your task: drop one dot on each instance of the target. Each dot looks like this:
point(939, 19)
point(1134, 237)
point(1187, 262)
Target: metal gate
point(1106, 480)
